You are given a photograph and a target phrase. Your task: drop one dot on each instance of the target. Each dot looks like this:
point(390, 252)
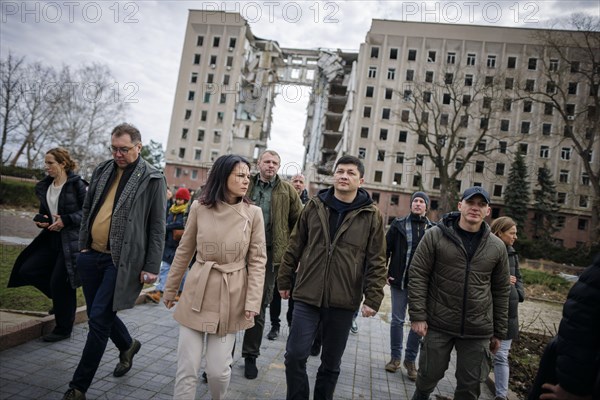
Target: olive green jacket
point(285, 210)
point(336, 272)
point(455, 295)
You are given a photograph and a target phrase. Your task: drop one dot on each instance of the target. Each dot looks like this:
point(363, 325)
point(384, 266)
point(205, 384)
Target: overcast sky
point(141, 41)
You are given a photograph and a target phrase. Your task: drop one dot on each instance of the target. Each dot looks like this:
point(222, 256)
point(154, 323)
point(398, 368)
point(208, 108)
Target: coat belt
point(225, 270)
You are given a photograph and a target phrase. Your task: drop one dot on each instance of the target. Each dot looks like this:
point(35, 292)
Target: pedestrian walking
point(224, 288)
point(48, 263)
point(121, 240)
point(338, 250)
point(458, 291)
point(402, 239)
point(281, 207)
point(506, 229)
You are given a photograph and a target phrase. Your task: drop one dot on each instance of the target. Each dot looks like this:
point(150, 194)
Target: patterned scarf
point(122, 206)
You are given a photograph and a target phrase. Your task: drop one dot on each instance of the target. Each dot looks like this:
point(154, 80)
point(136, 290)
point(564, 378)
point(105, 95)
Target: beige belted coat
point(227, 277)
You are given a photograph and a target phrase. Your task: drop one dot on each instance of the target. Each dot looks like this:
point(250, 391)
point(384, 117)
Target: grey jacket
point(144, 235)
point(468, 299)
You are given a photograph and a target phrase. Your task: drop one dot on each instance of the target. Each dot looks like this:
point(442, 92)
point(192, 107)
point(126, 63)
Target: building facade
point(400, 59)
point(392, 104)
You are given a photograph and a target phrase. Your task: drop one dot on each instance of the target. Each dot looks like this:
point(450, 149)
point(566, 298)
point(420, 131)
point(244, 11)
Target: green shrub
point(20, 172)
point(551, 281)
point(536, 249)
point(18, 193)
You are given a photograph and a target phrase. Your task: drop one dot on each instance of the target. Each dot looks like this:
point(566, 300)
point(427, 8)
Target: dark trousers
point(275, 307)
point(98, 277)
point(290, 310)
point(336, 325)
point(253, 336)
point(55, 284)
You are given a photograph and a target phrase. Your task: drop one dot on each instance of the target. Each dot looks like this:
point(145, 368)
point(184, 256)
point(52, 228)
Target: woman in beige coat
point(223, 289)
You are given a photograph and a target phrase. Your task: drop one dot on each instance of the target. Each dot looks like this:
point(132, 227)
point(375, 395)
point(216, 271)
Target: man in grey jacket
point(121, 242)
point(458, 292)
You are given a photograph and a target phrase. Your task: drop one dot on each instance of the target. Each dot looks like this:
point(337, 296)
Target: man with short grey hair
point(281, 208)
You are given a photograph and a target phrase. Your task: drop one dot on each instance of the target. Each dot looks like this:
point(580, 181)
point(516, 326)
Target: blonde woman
point(223, 290)
point(506, 229)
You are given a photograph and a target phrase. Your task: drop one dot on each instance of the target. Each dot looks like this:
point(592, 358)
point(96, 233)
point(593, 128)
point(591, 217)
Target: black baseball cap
point(474, 191)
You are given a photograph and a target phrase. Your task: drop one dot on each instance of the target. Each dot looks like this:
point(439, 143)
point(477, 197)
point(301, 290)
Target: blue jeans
point(501, 371)
point(165, 267)
point(399, 304)
point(336, 324)
point(98, 278)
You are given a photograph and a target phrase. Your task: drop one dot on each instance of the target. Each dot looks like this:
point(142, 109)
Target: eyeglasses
point(122, 150)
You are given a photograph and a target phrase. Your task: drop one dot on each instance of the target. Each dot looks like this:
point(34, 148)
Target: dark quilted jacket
point(455, 296)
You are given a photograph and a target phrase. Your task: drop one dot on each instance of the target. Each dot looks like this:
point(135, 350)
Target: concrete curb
point(14, 333)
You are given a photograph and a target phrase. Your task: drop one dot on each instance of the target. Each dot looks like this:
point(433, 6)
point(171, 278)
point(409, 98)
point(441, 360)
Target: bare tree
point(457, 120)
point(36, 111)
point(90, 106)
point(571, 78)
point(10, 77)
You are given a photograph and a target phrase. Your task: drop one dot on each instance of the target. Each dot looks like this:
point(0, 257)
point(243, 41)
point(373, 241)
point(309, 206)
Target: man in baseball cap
point(474, 191)
point(458, 291)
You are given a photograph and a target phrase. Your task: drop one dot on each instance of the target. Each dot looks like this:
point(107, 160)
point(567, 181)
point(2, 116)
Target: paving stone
point(42, 370)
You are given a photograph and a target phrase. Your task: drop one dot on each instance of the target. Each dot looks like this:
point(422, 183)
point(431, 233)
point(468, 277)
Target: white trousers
point(189, 358)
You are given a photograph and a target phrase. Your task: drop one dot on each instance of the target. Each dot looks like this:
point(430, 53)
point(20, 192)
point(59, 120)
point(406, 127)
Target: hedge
point(20, 172)
point(18, 193)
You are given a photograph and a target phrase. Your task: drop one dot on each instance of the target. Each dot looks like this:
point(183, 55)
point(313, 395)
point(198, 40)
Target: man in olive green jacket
point(458, 290)
point(339, 246)
point(281, 208)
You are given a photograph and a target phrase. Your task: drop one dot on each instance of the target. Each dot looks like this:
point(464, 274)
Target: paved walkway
point(38, 370)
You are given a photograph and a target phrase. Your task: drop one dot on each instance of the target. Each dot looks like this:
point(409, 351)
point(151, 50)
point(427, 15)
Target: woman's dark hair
point(216, 184)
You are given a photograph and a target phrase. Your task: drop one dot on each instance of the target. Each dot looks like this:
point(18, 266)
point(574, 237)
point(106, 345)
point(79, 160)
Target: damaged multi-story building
point(359, 105)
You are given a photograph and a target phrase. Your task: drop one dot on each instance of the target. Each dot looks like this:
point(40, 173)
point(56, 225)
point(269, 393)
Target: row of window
point(525, 126)
point(210, 78)
point(471, 59)
point(216, 41)
point(207, 95)
point(565, 152)
point(509, 83)
point(214, 154)
point(204, 115)
point(212, 61)
point(565, 155)
point(200, 135)
point(497, 191)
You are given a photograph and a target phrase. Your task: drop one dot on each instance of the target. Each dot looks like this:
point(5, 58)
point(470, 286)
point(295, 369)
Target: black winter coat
point(70, 204)
point(396, 249)
point(572, 358)
point(174, 221)
point(578, 339)
point(517, 294)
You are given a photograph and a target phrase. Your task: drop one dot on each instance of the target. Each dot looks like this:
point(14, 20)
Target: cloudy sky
point(141, 41)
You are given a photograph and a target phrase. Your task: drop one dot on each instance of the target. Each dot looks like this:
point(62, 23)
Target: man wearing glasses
point(121, 241)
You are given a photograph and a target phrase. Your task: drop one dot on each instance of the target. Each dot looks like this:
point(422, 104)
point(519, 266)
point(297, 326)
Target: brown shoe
point(411, 370)
point(154, 296)
point(393, 365)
